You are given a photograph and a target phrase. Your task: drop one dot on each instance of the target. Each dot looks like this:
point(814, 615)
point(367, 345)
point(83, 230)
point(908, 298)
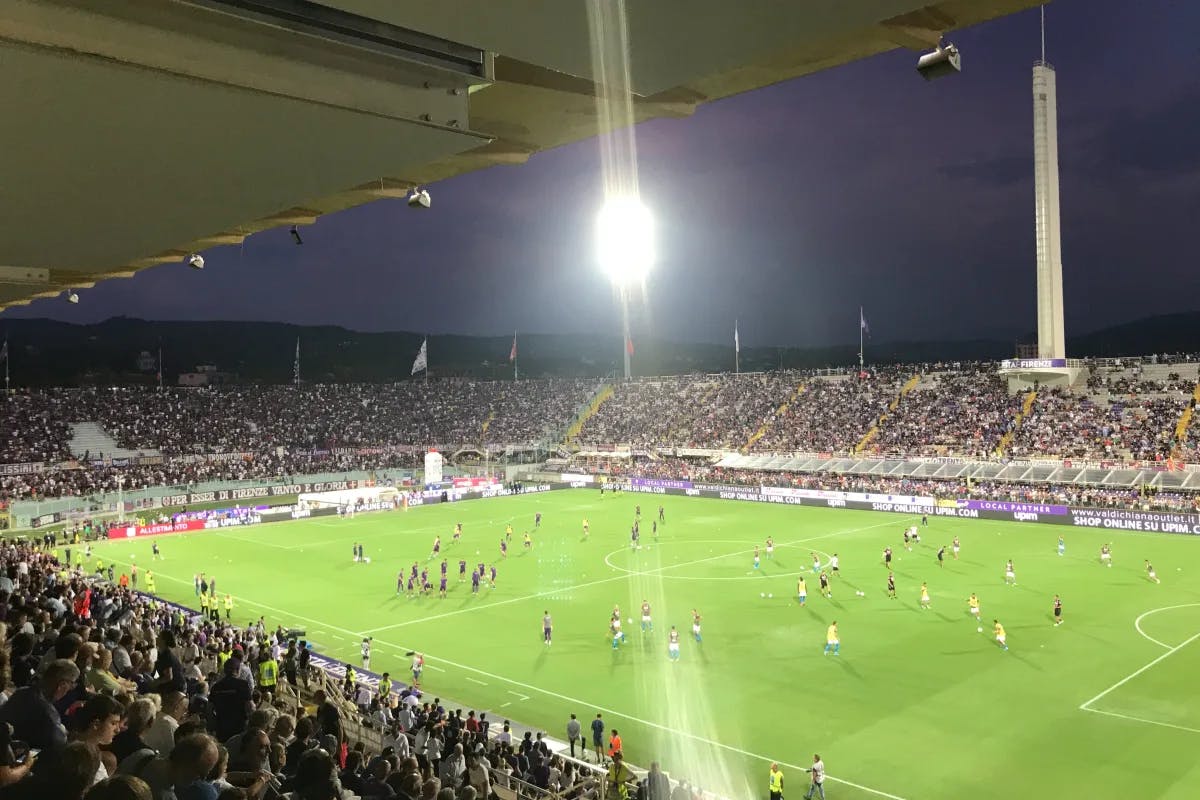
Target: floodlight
point(195, 261)
point(419, 199)
point(72, 298)
point(296, 235)
point(625, 239)
point(945, 60)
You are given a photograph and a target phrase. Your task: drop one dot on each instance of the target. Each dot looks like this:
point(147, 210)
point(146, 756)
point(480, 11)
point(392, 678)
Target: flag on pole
point(512, 354)
point(296, 364)
point(421, 362)
point(862, 322)
point(629, 345)
point(737, 344)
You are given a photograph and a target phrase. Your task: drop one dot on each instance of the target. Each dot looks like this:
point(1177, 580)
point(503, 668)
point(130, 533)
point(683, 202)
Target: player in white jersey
point(770, 547)
point(1150, 572)
point(833, 566)
point(673, 644)
point(816, 563)
point(647, 624)
point(1106, 555)
point(1010, 575)
point(696, 625)
point(366, 653)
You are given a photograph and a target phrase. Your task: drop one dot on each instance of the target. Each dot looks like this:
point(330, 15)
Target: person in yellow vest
point(204, 604)
point(268, 674)
point(99, 566)
point(776, 782)
point(228, 606)
point(223, 655)
point(149, 581)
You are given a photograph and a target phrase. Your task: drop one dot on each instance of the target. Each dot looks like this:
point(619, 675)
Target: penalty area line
point(1085, 706)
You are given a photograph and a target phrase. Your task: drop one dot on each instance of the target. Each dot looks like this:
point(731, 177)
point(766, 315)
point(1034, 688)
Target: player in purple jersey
point(399, 581)
point(492, 573)
point(412, 585)
point(475, 582)
point(462, 570)
point(547, 627)
point(537, 520)
point(415, 567)
point(437, 547)
point(445, 566)
point(424, 578)
point(442, 586)
point(481, 570)
point(503, 549)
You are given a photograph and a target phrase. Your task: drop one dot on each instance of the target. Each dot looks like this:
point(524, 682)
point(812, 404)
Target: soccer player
point(1106, 555)
point(887, 557)
point(537, 520)
point(614, 627)
point(437, 547)
point(973, 606)
point(696, 625)
point(412, 586)
point(415, 568)
point(941, 556)
point(475, 581)
point(1062, 546)
point(801, 590)
point(503, 548)
point(907, 541)
point(442, 586)
point(1010, 575)
point(1150, 572)
point(462, 570)
point(445, 568)
point(816, 563)
point(924, 595)
point(770, 547)
point(998, 629)
point(399, 581)
point(654, 529)
point(585, 528)
point(834, 568)
point(637, 511)
point(661, 518)
point(647, 623)
point(891, 586)
point(418, 664)
point(1058, 617)
point(355, 551)
point(633, 537)
point(547, 627)
point(924, 520)
point(826, 592)
point(528, 541)
point(508, 532)
point(673, 644)
point(832, 642)
point(457, 531)
point(954, 548)
point(154, 553)
point(756, 557)
point(492, 576)
point(366, 653)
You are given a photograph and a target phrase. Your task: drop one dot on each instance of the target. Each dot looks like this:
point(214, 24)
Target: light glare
point(625, 240)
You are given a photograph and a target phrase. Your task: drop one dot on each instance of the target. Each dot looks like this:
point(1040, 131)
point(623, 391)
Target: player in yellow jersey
point(924, 595)
point(801, 590)
point(508, 532)
point(832, 642)
point(586, 528)
point(528, 541)
point(973, 607)
point(998, 629)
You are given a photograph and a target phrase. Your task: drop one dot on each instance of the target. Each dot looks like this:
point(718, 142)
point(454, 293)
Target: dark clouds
point(787, 208)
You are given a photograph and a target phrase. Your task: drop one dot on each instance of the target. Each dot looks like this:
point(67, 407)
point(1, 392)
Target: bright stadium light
point(625, 240)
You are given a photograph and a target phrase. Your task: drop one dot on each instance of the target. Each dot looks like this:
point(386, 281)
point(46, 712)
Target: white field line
point(1085, 705)
point(601, 581)
point(1137, 623)
point(1143, 719)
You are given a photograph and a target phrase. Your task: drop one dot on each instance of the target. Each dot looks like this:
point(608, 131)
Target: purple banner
point(655, 483)
point(1015, 508)
point(1033, 363)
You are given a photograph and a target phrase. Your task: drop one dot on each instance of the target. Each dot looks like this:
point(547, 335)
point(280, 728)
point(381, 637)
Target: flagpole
point(737, 350)
point(160, 366)
point(515, 355)
point(6, 358)
point(860, 338)
point(296, 366)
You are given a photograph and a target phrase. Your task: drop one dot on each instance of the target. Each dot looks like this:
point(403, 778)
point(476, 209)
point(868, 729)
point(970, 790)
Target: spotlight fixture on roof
point(195, 261)
point(419, 198)
point(942, 61)
point(296, 235)
point(72, 298)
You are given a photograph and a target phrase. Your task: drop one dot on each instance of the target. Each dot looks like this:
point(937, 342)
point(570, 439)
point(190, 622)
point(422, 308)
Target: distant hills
point(45, 352)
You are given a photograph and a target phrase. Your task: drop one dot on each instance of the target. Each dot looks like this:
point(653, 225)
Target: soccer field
point(918, 704)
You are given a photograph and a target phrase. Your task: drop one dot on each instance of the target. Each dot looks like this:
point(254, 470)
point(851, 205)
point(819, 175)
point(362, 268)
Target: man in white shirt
point(818, 778)
point(161, 733)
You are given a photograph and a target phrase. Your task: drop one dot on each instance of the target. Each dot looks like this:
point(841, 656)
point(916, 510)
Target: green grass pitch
point(918, 705)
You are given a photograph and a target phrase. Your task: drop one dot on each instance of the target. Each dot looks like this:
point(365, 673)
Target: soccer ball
point(367, 559)
point(629, 620)
point(770, 596)
point(476, 552)
point(861, 593)
point(979, 629)
point(762, 594)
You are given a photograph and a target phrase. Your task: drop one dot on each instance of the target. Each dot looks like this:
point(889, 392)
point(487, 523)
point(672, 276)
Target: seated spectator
point(31, 710)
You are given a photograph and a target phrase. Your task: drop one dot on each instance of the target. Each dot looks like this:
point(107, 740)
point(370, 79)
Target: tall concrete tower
point(1048, 226)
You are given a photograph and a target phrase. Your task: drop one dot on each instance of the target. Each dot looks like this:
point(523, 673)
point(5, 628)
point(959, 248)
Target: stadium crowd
point(108, 695)
point(1079, 426)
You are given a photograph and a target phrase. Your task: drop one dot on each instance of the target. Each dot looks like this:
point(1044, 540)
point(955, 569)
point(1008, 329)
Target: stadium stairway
point(908, 386)
point(602, 397)
point(767, 423)
point(1185, 421)
point(90, 438)
point(1006, 439)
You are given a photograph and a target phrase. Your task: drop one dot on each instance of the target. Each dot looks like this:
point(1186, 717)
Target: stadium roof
point(138, 131)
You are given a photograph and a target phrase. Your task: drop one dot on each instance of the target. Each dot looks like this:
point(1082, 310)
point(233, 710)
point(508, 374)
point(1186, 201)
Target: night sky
point(786, 208)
